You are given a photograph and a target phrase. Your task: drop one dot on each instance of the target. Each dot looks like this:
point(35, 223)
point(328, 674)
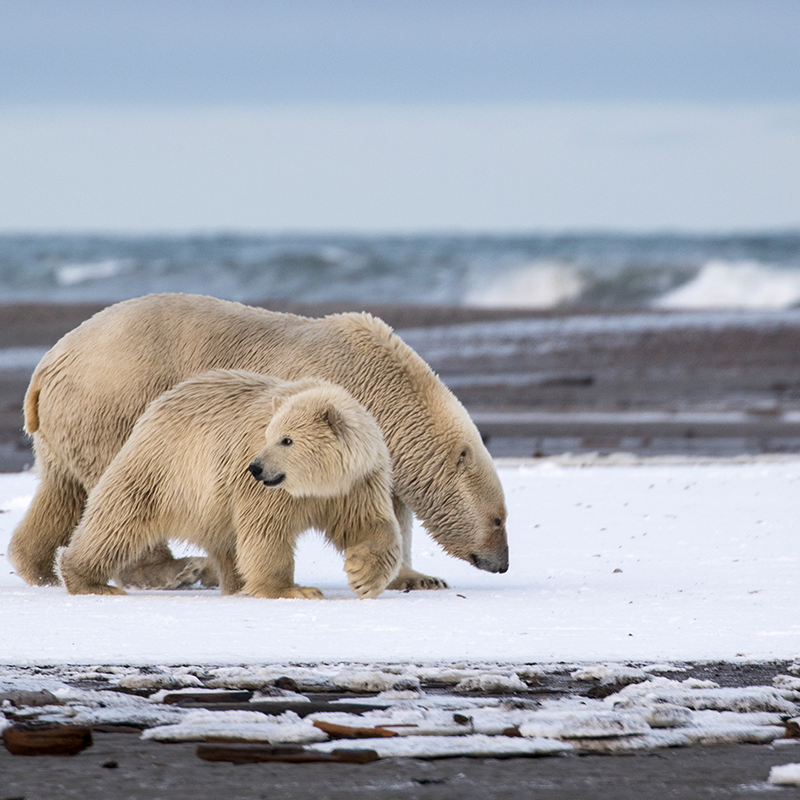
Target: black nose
point(255, 470)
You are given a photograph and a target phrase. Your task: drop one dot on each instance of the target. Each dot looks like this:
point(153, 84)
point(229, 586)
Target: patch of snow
point(475, 746)
point(373, 681)
point(699, 698)
point(610, 674)
point(492, 684)
point(699, 545)
point(588, 725)
point(199, 725)
point(785, 775)
point(164, 680)
point(787, 683)
point(666, 715)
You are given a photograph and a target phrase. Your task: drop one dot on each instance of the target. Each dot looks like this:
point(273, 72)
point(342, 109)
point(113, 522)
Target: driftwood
point(46, 740)
point(349, 732)
point(251, 753)
point(277, 707)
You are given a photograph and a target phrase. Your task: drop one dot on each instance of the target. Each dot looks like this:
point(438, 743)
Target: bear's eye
point(286, 441)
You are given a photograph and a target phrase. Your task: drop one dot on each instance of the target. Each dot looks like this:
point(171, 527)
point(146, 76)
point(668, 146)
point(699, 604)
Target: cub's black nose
point(255, 470)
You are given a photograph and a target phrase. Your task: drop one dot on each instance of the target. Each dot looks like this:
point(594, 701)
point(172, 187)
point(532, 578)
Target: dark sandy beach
point(543, 383)
point(121, 765)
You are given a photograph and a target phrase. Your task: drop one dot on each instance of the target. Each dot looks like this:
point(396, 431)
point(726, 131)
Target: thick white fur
point(183, 473)
point(92, 386)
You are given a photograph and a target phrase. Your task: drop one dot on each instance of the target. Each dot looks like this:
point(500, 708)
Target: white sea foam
point(540, 284)
point(736, 284)
point(70, 274)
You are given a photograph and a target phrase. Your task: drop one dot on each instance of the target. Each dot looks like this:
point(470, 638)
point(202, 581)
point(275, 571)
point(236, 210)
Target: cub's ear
point(335, 421)
point(277, 402)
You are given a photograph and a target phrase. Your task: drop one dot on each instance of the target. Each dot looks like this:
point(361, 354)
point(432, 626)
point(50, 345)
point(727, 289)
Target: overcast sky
point(373, 115)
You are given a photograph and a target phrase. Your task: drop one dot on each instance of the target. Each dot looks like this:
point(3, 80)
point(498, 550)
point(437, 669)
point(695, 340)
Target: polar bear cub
point(240, 464)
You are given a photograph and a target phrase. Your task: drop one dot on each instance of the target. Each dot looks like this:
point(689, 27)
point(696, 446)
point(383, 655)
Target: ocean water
point(587, 271)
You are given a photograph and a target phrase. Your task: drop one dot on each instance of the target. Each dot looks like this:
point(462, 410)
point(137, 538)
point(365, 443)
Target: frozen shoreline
point(649, 605)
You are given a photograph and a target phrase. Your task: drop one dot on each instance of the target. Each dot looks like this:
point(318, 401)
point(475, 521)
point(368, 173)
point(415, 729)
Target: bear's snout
point(268, 479)
point(491, 562)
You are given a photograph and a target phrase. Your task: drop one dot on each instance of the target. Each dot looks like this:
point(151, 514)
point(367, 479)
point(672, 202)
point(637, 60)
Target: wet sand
point(121, 765)
point(548, 386)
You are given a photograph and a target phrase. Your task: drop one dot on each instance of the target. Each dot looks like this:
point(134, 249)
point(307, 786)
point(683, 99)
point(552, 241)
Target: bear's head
point(319, 443)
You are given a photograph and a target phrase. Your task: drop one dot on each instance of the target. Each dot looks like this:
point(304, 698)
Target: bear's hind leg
point(47, 525)
point(157, 568)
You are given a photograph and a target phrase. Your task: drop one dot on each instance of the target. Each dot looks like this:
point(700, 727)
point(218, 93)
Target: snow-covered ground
point(644, 562)
point(628, 562)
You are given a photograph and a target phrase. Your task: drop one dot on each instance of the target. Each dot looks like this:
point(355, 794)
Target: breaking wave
point(591, 271)
point(743, 284)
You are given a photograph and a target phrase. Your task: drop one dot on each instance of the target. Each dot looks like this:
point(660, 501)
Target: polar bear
point(91, 387)
point(240, 464)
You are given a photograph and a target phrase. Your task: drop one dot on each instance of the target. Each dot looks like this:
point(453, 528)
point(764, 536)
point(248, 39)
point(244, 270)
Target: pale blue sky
point(374, 115)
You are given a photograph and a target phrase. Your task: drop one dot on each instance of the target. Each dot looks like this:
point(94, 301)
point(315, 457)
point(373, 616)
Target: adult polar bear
point(91, 387)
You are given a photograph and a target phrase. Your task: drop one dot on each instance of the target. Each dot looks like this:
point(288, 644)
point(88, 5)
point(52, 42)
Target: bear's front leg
point(408, 579)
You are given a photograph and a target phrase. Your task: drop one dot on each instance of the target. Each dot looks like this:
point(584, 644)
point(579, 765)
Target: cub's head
point(319, 443)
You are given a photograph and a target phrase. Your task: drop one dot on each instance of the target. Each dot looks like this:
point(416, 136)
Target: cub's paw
point(409, 580)
point(103, 588)
point(368, 569)
point(303, 593)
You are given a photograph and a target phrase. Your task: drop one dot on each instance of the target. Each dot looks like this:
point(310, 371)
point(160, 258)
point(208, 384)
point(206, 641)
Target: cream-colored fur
point(92, 386)
point(194, 466)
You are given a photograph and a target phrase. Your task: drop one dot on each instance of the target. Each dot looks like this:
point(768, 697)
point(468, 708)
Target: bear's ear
point(333, 418)
point(463, 457)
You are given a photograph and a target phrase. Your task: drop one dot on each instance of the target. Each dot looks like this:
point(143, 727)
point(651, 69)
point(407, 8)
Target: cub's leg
point(224, 559)
point(120, 522)
point(86, 564)
point(368, 535)
point(47, 525)
point(265, 559)
point(370, 567)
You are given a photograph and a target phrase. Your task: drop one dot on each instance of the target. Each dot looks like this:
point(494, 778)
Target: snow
point(635, 562)
point(785, 775)
point(621, 570)
point(476, 746)
point(251, 726)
